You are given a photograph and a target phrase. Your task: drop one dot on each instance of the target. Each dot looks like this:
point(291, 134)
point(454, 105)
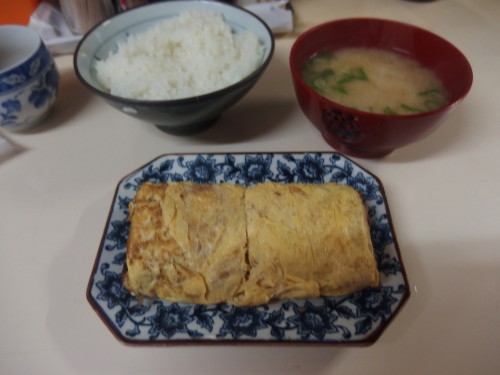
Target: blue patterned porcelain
point(359, 318)
point(29, 79)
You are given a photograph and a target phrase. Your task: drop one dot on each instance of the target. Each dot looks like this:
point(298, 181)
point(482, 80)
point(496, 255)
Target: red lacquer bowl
point(370, 135)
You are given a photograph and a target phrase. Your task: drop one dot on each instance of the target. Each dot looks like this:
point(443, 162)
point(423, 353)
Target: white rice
point(191, 54)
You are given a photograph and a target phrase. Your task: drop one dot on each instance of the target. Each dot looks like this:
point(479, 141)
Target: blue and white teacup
point(29, 80)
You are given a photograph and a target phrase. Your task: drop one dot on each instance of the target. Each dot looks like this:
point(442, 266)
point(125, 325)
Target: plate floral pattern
point(359, 318)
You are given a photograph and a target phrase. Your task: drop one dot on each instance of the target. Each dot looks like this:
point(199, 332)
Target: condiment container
point(82, 15)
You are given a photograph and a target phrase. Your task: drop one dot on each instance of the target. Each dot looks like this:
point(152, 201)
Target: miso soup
point(375, 80)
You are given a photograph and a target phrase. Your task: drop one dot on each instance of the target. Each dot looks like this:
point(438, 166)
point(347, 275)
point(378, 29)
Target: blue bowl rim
point(26, 60)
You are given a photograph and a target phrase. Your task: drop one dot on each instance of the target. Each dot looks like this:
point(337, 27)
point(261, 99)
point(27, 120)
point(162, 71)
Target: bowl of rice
point(177, 64)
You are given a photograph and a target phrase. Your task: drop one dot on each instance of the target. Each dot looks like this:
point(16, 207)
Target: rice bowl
point(183, 115)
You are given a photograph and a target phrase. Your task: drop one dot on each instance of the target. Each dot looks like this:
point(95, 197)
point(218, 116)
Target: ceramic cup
point(29, 79)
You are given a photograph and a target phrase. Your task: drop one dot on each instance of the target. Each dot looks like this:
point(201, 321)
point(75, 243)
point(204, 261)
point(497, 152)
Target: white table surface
point(443, 192)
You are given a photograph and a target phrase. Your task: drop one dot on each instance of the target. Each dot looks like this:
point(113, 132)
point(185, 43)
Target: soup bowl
point(366, 134)
point(29, 79)
point(185, 115)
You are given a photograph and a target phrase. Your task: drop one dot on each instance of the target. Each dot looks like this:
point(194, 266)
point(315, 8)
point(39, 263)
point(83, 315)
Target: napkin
point(50, 23)
point(277, 14)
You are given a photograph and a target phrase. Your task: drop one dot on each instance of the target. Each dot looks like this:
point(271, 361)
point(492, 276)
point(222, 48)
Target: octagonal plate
point(358, 318)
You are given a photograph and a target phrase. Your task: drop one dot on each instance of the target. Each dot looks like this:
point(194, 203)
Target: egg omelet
point(212, 243)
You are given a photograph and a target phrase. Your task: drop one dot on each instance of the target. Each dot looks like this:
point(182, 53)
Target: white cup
point(29, 80)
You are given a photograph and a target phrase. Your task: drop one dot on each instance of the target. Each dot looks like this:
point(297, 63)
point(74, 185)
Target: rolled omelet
point(212, 243)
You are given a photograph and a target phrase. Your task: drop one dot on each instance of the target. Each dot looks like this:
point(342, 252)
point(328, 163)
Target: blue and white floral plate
point(358, 319)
